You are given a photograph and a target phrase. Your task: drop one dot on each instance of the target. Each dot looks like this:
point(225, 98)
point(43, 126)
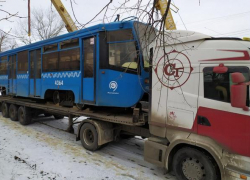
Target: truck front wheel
point(192, 164)
point(89, 137)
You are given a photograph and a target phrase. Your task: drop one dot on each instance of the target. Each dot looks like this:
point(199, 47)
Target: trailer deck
point(114, 115)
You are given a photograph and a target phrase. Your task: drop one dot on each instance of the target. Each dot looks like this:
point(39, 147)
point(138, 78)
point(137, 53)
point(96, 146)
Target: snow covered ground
point(43, 151)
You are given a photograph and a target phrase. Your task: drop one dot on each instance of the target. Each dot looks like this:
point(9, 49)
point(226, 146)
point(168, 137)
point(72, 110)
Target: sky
point(218, 18)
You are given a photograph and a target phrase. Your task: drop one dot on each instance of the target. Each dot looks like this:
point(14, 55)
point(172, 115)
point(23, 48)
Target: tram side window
point(50, 62)
point(22, 62)
point(3, 68)
point(217, 86)
point(89, 57)
point(38, 63)
point(69, 43)
point(12, 67)
point(4, 58)
point(70, 60)
point(51, 47)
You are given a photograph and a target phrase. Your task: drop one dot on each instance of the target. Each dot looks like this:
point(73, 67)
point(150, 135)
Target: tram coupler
point(70, 128)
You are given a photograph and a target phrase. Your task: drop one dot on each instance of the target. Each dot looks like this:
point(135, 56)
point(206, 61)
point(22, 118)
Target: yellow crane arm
point(161, 5)
point(69, 23)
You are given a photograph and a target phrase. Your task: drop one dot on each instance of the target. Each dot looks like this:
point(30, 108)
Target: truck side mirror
point(239, 91)
point(220, 69)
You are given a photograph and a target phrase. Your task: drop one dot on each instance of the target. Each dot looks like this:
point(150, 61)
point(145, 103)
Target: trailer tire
point(13, 112)
point(5, 110)
point(190, 163)
point(24, 115)
point(47, 114)
point(58, 116)
point(89, 137)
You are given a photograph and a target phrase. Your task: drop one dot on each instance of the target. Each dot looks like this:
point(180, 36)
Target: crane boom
point(169, 22)
point(69, 23)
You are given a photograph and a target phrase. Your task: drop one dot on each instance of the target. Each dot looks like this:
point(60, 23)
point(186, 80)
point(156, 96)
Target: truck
point(196, 119)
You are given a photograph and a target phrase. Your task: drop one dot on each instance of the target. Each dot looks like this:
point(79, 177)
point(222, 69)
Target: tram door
point(89, 70)
point(35, 73)
point(12, 74)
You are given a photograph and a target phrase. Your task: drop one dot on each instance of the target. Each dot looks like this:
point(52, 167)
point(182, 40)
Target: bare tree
point(45, 24)
point(6, 41)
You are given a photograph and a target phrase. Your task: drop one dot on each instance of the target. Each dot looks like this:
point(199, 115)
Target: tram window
point(70, 60)
point(89, 57)
point(51, 47)
point(69, 43)
point(38, 63)
point(50, 62)
point(146, 35)
point(123, 55)
point(12, 67)
point(32, 63)
point(4, 58)
point(22, 62)
point(3, 68)
point(120, 35)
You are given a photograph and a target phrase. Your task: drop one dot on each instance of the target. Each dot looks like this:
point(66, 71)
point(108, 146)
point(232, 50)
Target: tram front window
point(123, 55)
point(146, 35)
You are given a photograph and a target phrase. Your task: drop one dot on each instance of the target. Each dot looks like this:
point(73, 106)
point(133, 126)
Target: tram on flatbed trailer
point(103, 65)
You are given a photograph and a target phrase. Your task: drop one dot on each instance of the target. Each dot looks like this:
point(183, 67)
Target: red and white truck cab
point(199, 116)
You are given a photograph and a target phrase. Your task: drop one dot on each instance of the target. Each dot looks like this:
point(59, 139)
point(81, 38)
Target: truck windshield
point(146, 35)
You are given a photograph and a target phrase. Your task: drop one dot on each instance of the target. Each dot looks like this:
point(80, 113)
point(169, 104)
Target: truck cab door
point(216, 118)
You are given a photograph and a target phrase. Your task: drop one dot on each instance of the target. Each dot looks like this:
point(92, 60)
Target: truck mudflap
point(237, 167)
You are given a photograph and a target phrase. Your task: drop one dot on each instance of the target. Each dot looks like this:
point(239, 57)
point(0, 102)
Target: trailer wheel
point(58, 116)
point(89, 137)
point(24, 115)
point(192, 164)
point(5, 110)
point(13, 112)
point(47, 114)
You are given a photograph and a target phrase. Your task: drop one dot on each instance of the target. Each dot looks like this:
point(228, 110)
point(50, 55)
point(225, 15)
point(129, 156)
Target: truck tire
point(58, 116)
point(24, 115)
point(13, 112)
point(190, 163)
point(5, 110)
point(89, 137)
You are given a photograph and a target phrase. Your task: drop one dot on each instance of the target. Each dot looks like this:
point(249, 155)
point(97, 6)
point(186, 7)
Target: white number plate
point(59, 82)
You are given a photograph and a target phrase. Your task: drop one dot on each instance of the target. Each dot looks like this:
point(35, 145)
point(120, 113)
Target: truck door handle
point(203, 121)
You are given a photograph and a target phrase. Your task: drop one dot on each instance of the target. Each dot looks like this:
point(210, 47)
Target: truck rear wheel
point(24, 115)
point(13, 112)
point(5, 110)
point(89, 137)
point(192, 164)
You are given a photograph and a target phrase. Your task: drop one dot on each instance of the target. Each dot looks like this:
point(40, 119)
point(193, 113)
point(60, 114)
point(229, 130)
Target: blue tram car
point(103, 65)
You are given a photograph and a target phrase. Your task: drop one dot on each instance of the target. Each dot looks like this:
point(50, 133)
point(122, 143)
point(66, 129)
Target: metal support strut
point(70, 128)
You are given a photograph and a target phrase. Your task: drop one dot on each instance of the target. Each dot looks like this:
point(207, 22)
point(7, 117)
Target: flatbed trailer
point(102, 125)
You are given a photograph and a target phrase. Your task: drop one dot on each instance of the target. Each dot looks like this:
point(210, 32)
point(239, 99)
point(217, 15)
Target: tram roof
point(76, 34)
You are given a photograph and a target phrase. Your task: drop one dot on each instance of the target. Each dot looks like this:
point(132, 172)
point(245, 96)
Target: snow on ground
point(43, 151)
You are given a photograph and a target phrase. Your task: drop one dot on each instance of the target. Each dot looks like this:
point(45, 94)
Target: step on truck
point(196, 121)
